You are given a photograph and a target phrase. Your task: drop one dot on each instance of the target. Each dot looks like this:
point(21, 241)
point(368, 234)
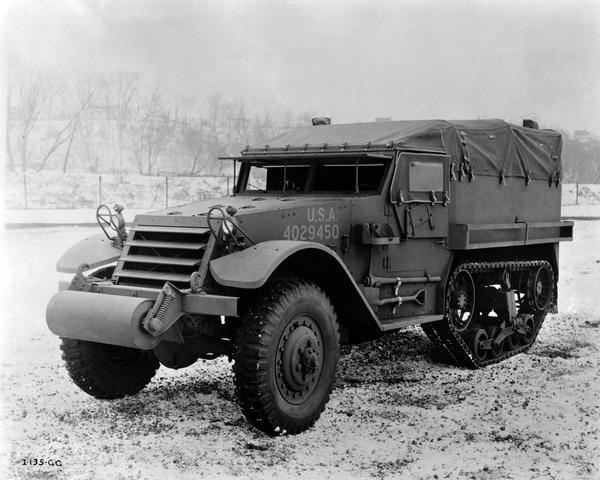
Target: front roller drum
point(95, 317)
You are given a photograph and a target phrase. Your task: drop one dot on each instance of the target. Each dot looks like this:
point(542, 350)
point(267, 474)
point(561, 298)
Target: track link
point(444, 333)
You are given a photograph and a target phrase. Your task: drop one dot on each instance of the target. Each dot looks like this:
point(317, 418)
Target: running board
point(397, 323)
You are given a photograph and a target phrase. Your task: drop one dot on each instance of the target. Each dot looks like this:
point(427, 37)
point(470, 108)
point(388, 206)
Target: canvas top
point(488, 147)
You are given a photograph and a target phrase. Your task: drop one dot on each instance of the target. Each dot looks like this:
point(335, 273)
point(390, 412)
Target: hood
point(248, 204)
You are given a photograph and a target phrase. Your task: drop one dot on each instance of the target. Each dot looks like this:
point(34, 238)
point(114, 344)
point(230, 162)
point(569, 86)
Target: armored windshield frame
point(315, 163)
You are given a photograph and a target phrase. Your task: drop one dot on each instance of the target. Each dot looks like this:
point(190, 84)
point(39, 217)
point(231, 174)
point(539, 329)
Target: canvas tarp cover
point(494, 147)
point(486, 147)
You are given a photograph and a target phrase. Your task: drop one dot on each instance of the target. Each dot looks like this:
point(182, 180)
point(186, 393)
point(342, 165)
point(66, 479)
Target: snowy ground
point(396, 411)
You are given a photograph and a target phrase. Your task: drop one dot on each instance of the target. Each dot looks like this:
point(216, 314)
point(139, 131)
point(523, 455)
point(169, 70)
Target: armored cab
point(334, 234)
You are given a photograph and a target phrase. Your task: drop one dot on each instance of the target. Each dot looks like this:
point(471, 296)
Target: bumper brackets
point(165, 312)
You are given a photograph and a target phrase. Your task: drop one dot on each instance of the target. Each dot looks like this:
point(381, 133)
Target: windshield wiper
point(254, 186)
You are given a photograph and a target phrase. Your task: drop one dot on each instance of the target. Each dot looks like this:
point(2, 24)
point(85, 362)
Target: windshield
point(341, 175)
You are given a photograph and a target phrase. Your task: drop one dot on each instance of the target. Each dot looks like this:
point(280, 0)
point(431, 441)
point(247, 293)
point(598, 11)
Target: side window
point(425, 176)
point(420, 178)
point(257, 179)
point(270, 178)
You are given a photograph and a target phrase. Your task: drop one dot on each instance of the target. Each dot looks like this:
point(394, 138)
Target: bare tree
point(119, 92)
point(151, 132)
point(66, 134)
point(87, 89)
point(85, 93)
point(34, 93)
point(135, 127)
point(241, 124)
point(194, 146)
point(215, 146)
point(105, 100)
point(9, 121)
point(581, 158)
point(127, 86)
point(263, 126)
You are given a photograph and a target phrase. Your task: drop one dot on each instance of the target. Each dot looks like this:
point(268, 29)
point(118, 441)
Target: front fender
point(96, 251)
point(252, 267)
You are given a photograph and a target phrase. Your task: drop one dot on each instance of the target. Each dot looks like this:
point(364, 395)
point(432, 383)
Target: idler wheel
point(540, 288)
point(529, 325)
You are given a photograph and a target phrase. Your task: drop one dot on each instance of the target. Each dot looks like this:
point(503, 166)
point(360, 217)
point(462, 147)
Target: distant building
point(584, 136)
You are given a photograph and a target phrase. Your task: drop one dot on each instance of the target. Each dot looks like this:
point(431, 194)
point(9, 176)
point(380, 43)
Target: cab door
point(418, 257)
point(419, 193)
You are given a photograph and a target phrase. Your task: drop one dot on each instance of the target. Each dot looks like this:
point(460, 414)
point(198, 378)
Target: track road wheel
point(513, 341)
point(286, 355)
point(497, 348)
point(108, 371)
point(477, 337)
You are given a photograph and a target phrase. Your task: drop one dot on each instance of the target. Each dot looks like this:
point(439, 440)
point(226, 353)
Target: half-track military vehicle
point(334, 234)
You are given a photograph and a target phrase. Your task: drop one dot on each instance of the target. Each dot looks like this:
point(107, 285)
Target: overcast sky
point(353, 60)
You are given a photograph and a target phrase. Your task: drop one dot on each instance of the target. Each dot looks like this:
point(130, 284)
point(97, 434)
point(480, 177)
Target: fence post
point(577, 194)
point(227, 178)
point(166, 192)
point(99, 189)
point(25, 189)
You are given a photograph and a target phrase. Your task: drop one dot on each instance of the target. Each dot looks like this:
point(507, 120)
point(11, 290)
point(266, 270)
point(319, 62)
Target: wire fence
point(55, 190)
point(580, 194)
point(52, 190)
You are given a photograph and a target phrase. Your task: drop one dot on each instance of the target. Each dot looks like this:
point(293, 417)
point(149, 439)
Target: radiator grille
point(153, 255)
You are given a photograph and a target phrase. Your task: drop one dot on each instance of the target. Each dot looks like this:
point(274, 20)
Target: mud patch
point(422, 397)
point(591, 324)
point(566, 351)
point(555, 352)
point(262, 453)
point(390, 359)
point(383, 470)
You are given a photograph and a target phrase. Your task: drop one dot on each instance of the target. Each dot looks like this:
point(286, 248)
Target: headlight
point(64, 280)
point(228, 227)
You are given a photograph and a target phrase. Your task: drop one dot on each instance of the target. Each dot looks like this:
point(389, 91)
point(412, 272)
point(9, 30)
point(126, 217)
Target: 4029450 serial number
point(312, 232)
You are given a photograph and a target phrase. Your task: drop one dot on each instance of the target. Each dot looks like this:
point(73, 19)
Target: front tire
point(286, 355)
point(108, 371)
